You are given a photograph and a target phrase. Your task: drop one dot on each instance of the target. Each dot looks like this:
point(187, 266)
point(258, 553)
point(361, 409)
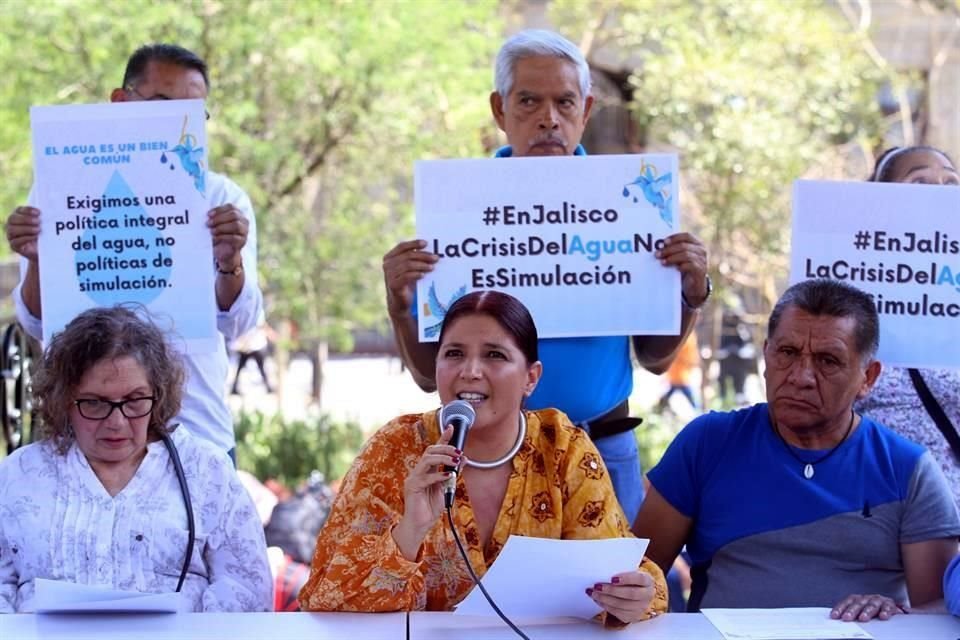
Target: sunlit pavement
point(367, 390)
point(371, 390)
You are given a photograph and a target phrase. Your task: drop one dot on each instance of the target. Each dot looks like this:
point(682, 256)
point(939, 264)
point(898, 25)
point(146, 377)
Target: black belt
point(615, 421)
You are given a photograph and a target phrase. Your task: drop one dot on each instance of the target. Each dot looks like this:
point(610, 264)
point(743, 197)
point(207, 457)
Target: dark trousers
point(258, 357)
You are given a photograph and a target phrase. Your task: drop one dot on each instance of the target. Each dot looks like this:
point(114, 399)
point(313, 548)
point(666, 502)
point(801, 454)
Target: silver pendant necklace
point(476, 464)
point(808, 470)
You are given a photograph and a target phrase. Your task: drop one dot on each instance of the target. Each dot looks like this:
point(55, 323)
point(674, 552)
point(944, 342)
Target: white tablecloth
point(205, 626)
point(389, 626)
point(673, 626)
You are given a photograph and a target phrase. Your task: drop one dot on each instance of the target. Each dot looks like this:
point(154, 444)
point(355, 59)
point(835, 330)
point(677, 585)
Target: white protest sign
point(122, 193)
point(898, 242)
point(573, 238)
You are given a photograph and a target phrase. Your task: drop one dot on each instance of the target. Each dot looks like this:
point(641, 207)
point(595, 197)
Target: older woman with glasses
point(113, 494)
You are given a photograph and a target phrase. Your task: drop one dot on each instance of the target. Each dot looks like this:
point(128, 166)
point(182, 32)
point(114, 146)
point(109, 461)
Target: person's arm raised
point(688, 254)
point(403, 266)
point(23, 231)
point(228, 229)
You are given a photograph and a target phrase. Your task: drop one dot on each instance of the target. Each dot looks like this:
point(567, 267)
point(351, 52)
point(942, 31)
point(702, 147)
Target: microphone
point(460, 415)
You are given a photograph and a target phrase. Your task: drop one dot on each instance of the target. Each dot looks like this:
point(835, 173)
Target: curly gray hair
point(93, 336)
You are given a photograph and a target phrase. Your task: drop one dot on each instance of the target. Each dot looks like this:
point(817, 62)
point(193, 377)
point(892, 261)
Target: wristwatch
point(236, 271)
point(686, 302)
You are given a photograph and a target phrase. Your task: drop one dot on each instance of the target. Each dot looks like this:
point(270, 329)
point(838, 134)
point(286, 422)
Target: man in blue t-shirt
point(542, 103)
point(799, 501)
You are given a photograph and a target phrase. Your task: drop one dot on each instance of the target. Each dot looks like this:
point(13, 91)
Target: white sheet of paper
point(542, 577)
point(54, 596)
point(782, 624)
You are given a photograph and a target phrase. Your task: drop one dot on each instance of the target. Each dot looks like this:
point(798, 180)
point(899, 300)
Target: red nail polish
point(615, 579)
point(589, 591)
point(598, 587)
point(458, 452)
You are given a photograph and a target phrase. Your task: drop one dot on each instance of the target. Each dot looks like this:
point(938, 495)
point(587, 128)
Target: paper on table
point(54, 596)
point(782, 624)
point(542, 577)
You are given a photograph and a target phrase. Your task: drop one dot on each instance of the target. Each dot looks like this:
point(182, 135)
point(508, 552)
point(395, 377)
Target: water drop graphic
point(171, 167)
point(626, 192)
point(140, 244)
point(635, 200)
point(163, 157)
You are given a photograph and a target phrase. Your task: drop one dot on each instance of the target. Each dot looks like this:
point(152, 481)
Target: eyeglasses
point(97, 409)
point(156, 96)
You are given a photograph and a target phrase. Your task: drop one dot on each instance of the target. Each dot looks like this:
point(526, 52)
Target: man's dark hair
point(161, 52)
point(824, 297)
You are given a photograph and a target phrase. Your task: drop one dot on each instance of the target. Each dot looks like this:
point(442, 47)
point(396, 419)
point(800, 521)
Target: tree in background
point(929, 42)
point(321, 107)
point(319, 110)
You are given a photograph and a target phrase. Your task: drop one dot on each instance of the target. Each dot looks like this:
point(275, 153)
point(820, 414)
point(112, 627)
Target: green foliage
point(319, 110)
point(752, 95)
point(655, 434)
point(270, 447)
point(321, 107)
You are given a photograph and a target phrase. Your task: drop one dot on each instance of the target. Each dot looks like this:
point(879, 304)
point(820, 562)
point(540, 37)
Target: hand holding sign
point(23, 230)
point(403, 266)
point(229, 229)
point(688, 254)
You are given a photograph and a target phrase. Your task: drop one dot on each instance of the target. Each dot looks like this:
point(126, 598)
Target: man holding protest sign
point(169, 72)
point(542, 102)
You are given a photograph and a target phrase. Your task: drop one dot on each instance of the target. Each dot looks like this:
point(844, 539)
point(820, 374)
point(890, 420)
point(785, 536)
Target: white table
point(205, 626)
point(673, 626)
point(390, 626)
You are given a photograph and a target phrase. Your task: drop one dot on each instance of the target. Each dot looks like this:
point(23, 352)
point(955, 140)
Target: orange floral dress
point(558, 488)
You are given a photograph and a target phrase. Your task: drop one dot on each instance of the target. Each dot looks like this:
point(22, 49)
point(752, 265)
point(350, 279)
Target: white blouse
point(58, 522)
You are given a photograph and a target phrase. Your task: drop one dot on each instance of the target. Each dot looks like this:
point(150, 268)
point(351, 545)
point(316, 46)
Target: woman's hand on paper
point(627, 596)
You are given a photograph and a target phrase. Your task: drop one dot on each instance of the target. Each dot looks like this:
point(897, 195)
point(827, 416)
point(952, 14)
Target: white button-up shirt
point(58, 522)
